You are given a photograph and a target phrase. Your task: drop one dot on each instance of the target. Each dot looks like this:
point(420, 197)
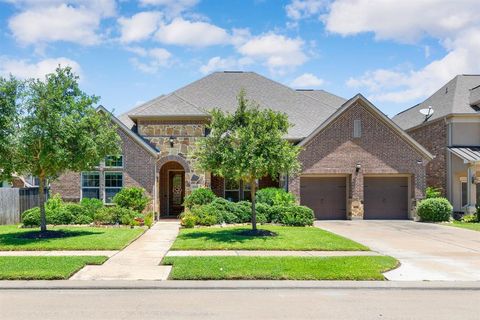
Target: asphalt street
point(244, 303)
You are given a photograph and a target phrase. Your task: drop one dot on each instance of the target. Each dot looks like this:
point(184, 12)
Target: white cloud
point(300, 9)
point(150, 60)
point(275, 51)
point(25, 69)
point(307, 80)
point(50, 20)
point(140, 26)
point(191, 33)
point(454, 24)
point(218, 63)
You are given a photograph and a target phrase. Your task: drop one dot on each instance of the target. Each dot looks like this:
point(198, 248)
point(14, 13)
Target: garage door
point(385, 198)
point(325, 196)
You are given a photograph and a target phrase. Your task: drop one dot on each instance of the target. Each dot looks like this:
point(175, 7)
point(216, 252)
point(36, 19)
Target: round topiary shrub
point(31, 217)
point(132, 198)
point(198, 197)
point(297, 216)
point(434, 209)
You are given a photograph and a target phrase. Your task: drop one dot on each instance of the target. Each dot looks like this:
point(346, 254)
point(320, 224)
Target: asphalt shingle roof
point(452, 98)
point(305, 109)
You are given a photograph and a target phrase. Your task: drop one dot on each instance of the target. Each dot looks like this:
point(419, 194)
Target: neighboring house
point(452, 135)
point(19, 181)
point(356, 163)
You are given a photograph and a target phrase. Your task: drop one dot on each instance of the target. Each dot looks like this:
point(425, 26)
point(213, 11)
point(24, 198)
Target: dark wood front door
point(176, 191)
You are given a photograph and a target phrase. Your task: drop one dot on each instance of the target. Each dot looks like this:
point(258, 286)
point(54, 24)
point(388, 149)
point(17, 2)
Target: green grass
point(279, 268)
point(465, 225)
point(44, 268)
point(288, 238)
point(13, 238)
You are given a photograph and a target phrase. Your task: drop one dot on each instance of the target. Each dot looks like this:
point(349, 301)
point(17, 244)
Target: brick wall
point(379, 150)
point(433, 136)
point(138, 170)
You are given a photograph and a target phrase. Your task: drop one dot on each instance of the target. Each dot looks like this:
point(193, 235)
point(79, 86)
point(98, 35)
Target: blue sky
point(396, 53)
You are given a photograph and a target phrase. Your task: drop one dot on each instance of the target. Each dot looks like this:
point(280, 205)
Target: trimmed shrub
point(79, 213)
point(207, 215)
point(104, 216)
point(244, 211)
point(114, 215)
point(54, 202)
point(31, 217)
point(276, 213)
point(132, 198)
point(263, 212)
point(297, 216)
point(198, 197)
point(59, 216)
point(434, 209)
point(91, 205)
point(148, 219)
point(188, 220)
point(470, 218)
point(275, 197)
point(432, 192)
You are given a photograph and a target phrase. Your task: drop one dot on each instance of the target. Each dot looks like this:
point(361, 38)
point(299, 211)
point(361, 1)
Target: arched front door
point(172, 189)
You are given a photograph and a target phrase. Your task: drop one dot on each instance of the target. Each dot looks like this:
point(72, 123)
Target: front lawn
point(288, 238)
point(13, 238)
point(280, 268)
point(44, 268)
point(465, 225)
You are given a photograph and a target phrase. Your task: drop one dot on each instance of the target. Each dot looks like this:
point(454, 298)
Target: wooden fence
point(14, 201)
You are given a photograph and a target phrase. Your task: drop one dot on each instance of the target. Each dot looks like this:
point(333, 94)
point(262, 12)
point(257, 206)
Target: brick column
point(356, 199)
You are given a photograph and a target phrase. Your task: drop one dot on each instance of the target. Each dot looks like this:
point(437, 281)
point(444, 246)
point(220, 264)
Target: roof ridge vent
point(232, 71)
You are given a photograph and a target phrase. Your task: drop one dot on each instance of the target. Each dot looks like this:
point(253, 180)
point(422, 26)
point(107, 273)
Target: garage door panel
point(386, 198)
point(326, 196)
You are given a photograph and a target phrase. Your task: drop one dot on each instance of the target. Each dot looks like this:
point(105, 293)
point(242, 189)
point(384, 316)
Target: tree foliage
point(248, 145)
point(59, 130)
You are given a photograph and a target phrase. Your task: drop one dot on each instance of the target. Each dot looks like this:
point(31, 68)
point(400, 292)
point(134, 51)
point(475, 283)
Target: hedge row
point(273, 206)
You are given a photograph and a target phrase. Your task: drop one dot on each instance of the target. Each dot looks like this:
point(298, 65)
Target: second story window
point(114, 161)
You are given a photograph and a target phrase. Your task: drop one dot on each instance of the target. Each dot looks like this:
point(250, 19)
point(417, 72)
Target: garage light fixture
point(171, 140)
point(358, 166)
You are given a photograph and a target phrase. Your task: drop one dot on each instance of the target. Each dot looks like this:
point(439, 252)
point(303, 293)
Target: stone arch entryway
point(172, 185)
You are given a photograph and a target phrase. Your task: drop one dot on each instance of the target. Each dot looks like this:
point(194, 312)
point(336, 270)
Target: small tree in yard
point(248, 145)
point(10, 94)
point(60, 130)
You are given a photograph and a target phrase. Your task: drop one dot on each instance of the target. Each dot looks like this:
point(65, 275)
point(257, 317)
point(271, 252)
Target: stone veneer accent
point(433, 136)
point(379, 150)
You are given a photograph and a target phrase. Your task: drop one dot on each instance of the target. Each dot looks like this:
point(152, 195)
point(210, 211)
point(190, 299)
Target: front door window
point(176, 191)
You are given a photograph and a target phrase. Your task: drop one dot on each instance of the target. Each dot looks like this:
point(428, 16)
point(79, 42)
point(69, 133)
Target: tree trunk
point(253, 185)
point(41, 196)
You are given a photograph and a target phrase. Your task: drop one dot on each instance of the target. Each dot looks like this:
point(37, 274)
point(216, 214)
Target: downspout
point(155, 192)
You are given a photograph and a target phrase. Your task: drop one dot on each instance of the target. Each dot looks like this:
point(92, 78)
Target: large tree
point(61, 130)
point(10, 96)
point(248, 145)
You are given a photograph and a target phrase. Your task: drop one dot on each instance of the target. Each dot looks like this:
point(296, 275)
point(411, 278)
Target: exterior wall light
point(171, 140)
point(358, 166)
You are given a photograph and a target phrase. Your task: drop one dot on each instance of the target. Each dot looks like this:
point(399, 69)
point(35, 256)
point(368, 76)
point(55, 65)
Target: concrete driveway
point(426, 251)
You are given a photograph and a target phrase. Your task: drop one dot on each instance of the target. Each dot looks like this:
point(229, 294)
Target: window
point(357, 128)
point(113, 184)
point(246, 192)
point(232, 190)
point(464, 194)
point(91, 184)
point(114, 161)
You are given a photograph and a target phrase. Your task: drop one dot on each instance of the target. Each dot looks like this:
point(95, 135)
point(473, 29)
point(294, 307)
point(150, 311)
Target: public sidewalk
point(105, 253)
point(140, 260)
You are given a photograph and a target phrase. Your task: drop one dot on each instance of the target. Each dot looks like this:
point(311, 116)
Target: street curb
point(237, 285)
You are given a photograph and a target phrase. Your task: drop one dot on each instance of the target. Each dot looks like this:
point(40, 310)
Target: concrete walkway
point(105, 253)
point(140, 260)
point(426, 251)
point(270, 253)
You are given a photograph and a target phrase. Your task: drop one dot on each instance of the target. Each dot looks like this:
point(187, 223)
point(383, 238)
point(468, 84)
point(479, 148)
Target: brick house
point(450, 129)
point(356, 162)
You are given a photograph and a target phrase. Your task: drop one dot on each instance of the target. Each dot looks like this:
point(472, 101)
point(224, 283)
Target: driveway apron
point(426, 251)
point(140, 260)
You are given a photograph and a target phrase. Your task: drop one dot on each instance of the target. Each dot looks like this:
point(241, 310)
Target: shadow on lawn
point(237, 235)
point(34, 236)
